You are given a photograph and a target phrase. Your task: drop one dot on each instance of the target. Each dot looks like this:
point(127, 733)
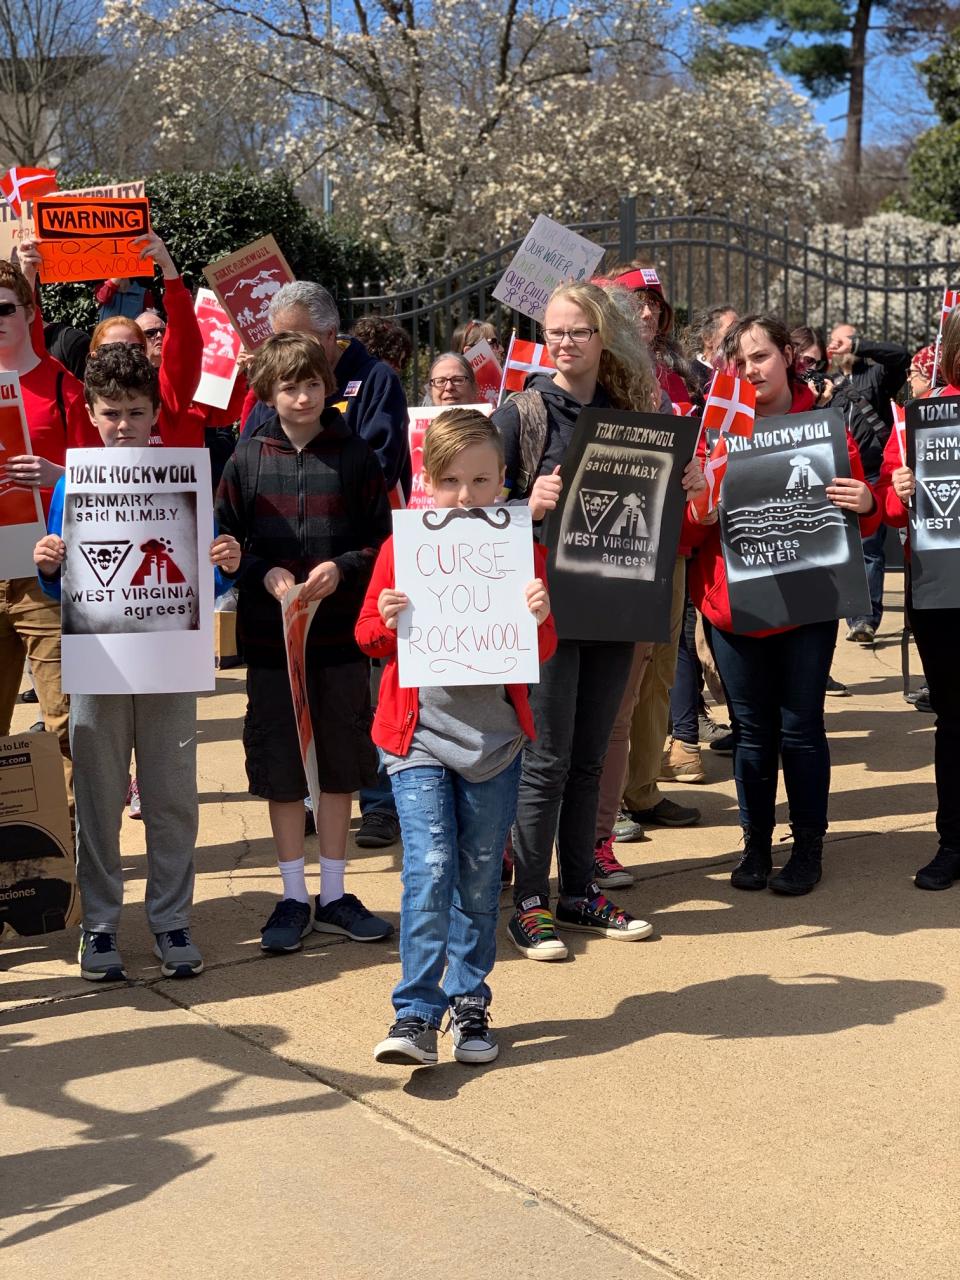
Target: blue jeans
point(775, 687)
point(685, 694)
point(453, 837)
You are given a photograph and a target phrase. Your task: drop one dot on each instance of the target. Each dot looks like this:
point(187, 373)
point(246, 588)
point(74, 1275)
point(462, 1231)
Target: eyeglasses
point(8, 308)
point(150, 334)
point(456, 381)
point(579, 335)
point(652, 303)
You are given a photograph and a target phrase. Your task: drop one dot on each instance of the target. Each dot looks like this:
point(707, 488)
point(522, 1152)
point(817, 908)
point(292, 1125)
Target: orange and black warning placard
point(90, 239)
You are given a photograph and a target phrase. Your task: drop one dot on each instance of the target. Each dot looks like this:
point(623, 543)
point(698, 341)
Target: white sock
point(331, 879)
point(294, 880)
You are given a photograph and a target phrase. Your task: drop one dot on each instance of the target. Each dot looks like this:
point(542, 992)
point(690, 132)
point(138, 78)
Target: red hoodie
point(180, 369)
point(708, 573)
point(398, 709)
point(892, 510)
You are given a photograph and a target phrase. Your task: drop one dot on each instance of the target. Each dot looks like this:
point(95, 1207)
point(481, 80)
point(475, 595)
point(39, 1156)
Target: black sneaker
point(597, 914)
point(666, 813)
point(804, 866)
point(29, 695)
point(348, 917)
point(922, 701)
point(409, 1040)
point(941, 872)
point(756, 861)
point(533, 931)
point(835, 689)
point(378, 829)
point(709, 730)
point(99, 957)
point(289, 921)
point(473, 1041)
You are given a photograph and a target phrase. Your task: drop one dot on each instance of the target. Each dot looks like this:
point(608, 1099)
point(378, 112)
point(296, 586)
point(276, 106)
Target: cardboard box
point(225, 640)
point(38, 887)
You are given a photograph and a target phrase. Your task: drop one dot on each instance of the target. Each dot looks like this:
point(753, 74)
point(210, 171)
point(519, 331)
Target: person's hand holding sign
point(904, 484)
point(391, 604)
point(545, 494)
point(26, 469)
point(151, 246)
point(49, 554)
point(851, 495)
point(28, 257)
point(321, 581)
point(538, 601)
point(225, 553)
point(277, 582)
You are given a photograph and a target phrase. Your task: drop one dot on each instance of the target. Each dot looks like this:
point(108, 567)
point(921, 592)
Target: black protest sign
point(933, 453)
point(613, 538)
point(791, 555)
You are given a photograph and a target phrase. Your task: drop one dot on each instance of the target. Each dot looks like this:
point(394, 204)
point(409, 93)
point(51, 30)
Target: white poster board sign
point(221, 346)
point(137, 585)
point(465, 571)
point(549, 255)
point(21, 515)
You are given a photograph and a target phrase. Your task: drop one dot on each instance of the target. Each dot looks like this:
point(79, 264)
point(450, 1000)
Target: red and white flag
point(522, 358)
point(731, 405)
point(900, 427)
point(21, 183)
point(713, 473)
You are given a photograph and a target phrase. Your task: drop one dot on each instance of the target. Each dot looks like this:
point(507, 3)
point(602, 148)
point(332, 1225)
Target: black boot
point(804, 868)
point(756, 861)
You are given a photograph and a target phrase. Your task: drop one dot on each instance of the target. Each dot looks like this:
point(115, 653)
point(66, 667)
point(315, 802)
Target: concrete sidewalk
point(763, 1090)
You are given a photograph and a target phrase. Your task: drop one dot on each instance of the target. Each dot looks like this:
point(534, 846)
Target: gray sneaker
point(178, 955)
point(473, 1041)
point(626, 831)
point(100, 961)
point(410, 1040)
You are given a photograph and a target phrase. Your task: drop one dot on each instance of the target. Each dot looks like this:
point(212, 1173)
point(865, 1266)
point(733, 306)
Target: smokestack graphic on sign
point(157, 568)
point(802, 476)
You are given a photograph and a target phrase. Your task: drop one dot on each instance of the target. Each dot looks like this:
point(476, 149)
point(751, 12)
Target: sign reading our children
point(465, 572)
point(83, 238)
point(137, 586)
point(549, 255)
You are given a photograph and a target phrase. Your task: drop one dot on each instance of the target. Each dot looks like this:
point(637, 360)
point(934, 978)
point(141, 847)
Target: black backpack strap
point(61, 406)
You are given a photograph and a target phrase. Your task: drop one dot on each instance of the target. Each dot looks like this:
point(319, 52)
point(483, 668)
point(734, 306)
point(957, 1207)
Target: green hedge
point(202, 216)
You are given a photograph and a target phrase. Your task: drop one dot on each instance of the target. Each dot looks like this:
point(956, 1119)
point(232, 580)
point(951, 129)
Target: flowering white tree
point(451, 123)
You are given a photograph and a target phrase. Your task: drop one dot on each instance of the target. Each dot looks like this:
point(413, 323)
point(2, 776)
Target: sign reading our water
point(791, 555)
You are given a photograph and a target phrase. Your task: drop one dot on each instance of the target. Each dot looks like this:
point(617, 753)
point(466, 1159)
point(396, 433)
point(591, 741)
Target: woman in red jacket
point(775, 681)
point(935, 633)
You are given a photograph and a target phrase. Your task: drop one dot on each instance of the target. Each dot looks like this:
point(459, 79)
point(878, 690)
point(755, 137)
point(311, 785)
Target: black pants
point(574, 707)
point(935, 631)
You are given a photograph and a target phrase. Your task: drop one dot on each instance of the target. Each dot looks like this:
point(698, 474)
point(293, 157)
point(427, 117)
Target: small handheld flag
point(22, 183)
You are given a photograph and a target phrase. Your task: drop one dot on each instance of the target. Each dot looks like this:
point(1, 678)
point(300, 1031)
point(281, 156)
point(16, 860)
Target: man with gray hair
point(370, 396)
point(369, 393)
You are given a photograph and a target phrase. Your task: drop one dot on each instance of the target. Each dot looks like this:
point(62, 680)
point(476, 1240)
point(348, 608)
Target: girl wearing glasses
point(451, 381)
point(600, 362)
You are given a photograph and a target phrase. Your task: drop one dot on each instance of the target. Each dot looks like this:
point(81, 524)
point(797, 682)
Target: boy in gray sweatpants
point(123, 401)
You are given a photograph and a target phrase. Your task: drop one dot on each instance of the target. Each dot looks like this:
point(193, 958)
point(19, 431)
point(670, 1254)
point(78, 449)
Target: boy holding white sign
point(123, 400)
point(453, 756)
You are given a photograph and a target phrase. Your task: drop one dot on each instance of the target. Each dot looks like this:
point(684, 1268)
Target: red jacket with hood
point(708, 573)
point(398, 709)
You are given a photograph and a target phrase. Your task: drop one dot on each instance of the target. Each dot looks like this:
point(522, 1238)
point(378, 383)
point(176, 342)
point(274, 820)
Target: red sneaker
point(607, 871)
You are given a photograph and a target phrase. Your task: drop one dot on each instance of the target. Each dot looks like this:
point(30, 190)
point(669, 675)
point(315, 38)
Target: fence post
point(628, 228)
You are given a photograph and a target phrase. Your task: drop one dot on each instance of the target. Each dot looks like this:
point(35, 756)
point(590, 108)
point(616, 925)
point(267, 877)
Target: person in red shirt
point(57, 420)
point(174, 346)
point(775, 680)
point(934, 630)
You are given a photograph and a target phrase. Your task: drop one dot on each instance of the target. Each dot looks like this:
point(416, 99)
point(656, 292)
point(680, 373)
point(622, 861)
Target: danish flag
point(713, 473)
point(26, 184)
point(900, 427)
point(731, 405)
point(951, 297)
point(522, 358)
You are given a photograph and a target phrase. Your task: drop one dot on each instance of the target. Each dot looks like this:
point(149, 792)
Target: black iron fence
point(890, 287)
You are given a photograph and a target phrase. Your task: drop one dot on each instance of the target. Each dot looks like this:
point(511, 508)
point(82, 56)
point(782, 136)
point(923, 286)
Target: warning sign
point(90, 239)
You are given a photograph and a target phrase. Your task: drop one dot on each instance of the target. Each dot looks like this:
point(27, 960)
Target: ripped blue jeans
point(453, 833)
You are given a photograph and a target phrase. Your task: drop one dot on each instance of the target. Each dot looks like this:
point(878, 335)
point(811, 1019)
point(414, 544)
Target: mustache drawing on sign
point(437, 520)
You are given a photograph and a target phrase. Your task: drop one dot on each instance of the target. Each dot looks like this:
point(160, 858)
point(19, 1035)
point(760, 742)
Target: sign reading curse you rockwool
point(137, 586)
point(90, 239)
point(465, 571)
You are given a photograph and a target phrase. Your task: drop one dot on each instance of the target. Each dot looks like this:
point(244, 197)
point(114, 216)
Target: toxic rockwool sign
point(137, 586)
